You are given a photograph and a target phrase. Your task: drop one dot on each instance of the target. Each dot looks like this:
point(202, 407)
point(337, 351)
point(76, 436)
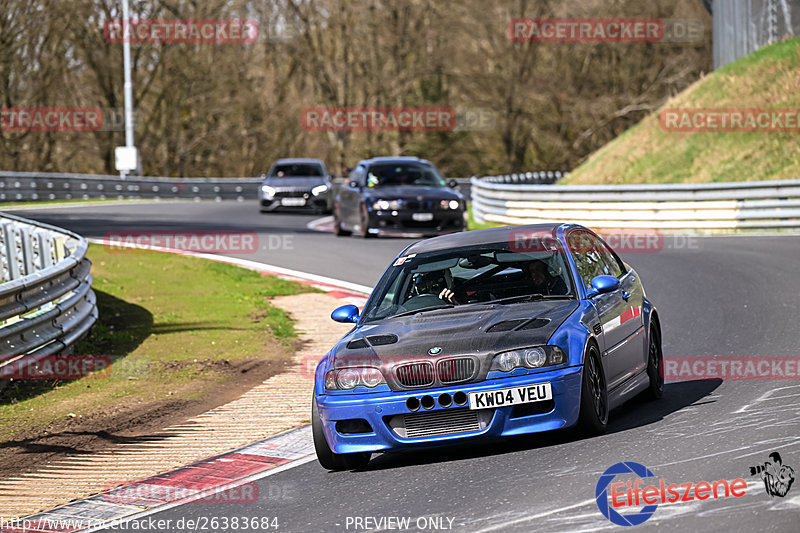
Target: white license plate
point(422, 217)
point(512, 396)
point(293, 202)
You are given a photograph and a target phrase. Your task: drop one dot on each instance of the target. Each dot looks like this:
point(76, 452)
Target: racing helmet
point(432, 282)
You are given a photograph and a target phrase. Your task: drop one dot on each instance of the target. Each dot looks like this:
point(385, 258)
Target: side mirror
point(346, 314)
point(453, 184)
point(603, 285)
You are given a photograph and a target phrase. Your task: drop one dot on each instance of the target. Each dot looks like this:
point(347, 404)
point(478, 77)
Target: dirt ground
point(125, 423)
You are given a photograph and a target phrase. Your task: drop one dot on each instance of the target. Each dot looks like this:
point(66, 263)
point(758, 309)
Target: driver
point(538, 277)
point(430, 283)
point(542, 281)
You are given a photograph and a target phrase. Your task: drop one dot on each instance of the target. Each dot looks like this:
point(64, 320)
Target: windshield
point(478, 275)
point(401, 174)
point(297, 169)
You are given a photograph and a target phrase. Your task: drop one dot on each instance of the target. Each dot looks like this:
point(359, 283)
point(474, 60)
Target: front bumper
point(310, 201)
point(378, 408)
point(401, 222)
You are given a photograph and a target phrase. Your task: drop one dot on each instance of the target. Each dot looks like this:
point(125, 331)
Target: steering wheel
point(422, 300)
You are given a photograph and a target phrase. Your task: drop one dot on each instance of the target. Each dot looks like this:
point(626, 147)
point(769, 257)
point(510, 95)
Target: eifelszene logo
point(633, 492)
point(601, 494)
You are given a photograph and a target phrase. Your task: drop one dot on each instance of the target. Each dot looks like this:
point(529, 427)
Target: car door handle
point(626, 295)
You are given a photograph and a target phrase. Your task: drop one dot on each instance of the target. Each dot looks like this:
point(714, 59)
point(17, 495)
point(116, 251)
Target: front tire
point(593, 418)
point(655, 365)
point(326, 457)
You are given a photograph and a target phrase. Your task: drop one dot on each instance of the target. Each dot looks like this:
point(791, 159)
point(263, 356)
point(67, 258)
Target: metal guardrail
point(43, 186)
point(704, 206)
point(545, 177)
point(46, 297)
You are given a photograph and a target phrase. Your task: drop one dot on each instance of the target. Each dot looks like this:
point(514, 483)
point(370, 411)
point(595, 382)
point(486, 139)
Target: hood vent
point(519, 324)
point(357, 344)
point(381, 340)
point(536, 323)
point(506, 325)
point(374, 340)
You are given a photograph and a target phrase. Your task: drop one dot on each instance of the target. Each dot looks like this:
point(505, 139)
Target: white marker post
point(127, 157)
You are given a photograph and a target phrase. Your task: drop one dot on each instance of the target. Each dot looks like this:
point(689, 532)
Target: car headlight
point(267, 190)
point(449, 204)
point(386, 205)
point(533, 357)
point(508, 361)
point(350, 378)
point(319, 189)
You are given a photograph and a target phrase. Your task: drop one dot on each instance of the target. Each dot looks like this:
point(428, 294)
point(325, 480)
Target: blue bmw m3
point(486, 334)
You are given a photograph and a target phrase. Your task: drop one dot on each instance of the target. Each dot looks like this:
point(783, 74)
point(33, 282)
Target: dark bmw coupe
point(400, 196)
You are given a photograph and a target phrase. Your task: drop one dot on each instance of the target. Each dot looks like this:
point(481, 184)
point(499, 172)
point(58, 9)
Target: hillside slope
point(646, 153)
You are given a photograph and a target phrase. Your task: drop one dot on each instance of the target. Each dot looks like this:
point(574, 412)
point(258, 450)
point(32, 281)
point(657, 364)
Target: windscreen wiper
point(515, 299)
point(423, 309)
point(528, 298)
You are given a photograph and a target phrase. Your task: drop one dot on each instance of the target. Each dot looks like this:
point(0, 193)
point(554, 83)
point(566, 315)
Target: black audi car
point(296, 183)
point(401, 196)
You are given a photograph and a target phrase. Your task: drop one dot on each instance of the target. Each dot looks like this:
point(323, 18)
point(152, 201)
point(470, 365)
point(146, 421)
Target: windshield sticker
point(401, 260)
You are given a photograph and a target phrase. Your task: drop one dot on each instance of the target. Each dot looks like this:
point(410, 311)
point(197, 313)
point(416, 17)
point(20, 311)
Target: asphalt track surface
point(724, 296)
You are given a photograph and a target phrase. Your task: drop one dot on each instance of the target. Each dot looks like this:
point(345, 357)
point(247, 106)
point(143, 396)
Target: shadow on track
point(633, 414)
point(39, 445)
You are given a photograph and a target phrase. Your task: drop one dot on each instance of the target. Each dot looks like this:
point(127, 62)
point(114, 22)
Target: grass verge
point(646, 153)
point(175, 327)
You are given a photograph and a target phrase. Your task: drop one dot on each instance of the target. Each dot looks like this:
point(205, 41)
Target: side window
point(592, 257)
point(613, 265)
